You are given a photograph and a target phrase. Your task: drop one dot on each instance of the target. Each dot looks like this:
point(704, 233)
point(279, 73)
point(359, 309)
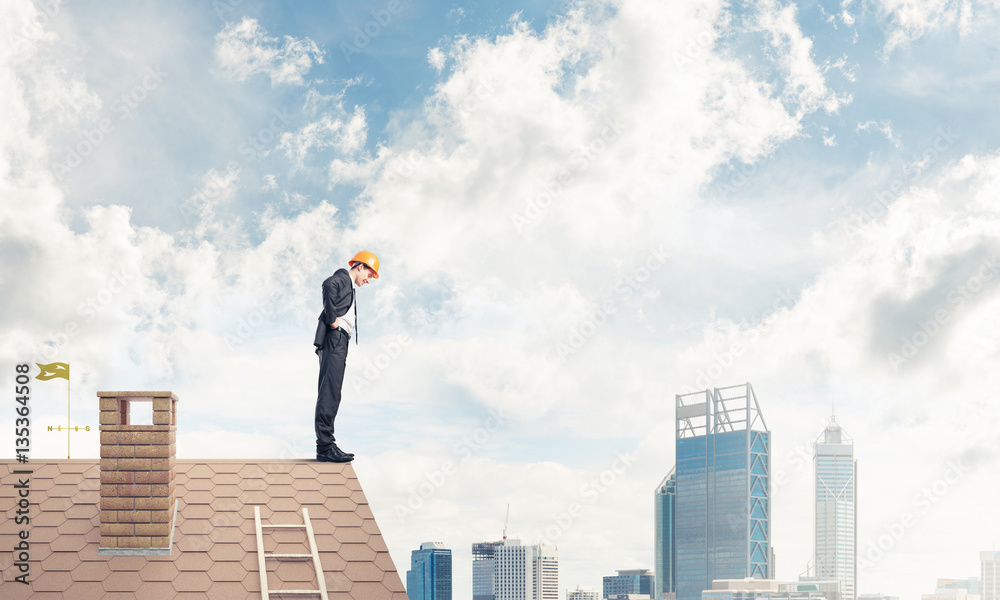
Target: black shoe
point(337, 450)
point(329, 455)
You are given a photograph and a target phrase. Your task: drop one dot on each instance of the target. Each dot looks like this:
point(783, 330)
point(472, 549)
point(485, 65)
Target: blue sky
point(582, 209)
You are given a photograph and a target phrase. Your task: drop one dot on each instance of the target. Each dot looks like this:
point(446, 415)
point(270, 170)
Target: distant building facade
point(750, 588)
point(989, 575)
point(630, 581)
point(955, 589)
point(429, 577)
point(581, 593)
point(945, 586)
point(664, 551)
point(876, 597)
point(723, 497)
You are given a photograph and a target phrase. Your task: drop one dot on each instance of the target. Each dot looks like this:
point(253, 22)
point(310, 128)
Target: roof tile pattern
point(215, 547)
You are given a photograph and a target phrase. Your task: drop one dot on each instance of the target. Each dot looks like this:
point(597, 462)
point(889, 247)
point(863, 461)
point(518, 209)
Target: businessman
point(337, 325)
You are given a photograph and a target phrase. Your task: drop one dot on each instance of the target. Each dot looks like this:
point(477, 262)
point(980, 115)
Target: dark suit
point(331, 346)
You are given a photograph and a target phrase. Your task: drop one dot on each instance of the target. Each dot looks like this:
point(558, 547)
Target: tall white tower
point(525, 572)
point(546, 572)
point(836, 509)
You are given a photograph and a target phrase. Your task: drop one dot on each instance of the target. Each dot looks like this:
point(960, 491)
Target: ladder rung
point(314, 556)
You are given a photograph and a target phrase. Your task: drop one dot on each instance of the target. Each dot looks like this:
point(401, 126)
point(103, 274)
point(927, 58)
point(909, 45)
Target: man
point(337, 324)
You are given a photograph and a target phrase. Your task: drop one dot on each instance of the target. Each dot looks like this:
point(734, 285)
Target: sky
point(582, 209)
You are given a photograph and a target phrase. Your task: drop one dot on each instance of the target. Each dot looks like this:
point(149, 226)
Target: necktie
point(354, 301)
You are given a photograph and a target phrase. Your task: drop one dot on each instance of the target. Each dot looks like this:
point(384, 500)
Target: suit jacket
point(338, 294)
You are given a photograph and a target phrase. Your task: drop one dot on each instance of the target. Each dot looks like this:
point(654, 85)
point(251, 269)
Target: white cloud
point(244, 49)
point(336, 128)
point(346, 134)
point(909, 20)
point(884, 127)
point(436, 58)
point(841, 64)
point(805, 85)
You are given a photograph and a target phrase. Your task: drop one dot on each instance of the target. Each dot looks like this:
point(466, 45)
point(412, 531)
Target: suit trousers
point(332, 363)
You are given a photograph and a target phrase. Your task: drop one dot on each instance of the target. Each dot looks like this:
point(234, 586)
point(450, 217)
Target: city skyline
point(835, 480)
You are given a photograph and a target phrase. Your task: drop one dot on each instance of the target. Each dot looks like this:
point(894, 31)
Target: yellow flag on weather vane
point(53, 370)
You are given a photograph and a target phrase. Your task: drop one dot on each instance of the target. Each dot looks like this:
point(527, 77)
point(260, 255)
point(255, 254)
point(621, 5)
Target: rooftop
point(214, 550)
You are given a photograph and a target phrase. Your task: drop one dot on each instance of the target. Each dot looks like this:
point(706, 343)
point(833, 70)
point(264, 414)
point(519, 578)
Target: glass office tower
point(664, 551)
point(836, 509)
point(723, 503)
point(429, 577)
point(483, 566)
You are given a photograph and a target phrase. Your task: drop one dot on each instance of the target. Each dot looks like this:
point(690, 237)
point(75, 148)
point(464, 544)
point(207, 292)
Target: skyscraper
point(483, 562)
point(525, 572)
point(546, 573)
point(664, 552)
point(836, 509)
point(723, 502)
point(429, 577)
point(989, 576)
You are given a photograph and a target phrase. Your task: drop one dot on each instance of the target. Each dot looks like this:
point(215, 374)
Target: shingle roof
point(215, 546)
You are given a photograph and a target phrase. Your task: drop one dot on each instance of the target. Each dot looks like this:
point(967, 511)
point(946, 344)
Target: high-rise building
point(631, 581)
point(429, 577)
point(836, 509)
point(723, 503)
point(483, 561)
point(582, 593)
point(664, 552)
point(546, 573)
point(989, 576)
point(525, 572)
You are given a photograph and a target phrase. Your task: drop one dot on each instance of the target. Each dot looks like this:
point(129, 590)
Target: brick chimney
point(138, 464)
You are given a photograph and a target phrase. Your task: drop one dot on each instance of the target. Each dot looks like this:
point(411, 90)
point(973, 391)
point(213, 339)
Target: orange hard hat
point(368, 258)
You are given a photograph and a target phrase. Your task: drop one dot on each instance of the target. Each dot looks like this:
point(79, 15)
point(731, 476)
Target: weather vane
point(51, 371)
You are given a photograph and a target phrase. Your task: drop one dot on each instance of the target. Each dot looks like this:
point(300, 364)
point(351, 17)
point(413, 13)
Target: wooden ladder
point(313, 554)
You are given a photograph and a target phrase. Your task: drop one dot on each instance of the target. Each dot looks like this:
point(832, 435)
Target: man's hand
point(334, 324)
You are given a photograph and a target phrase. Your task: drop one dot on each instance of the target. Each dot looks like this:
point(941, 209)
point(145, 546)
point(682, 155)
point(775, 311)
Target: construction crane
point(505, 521)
